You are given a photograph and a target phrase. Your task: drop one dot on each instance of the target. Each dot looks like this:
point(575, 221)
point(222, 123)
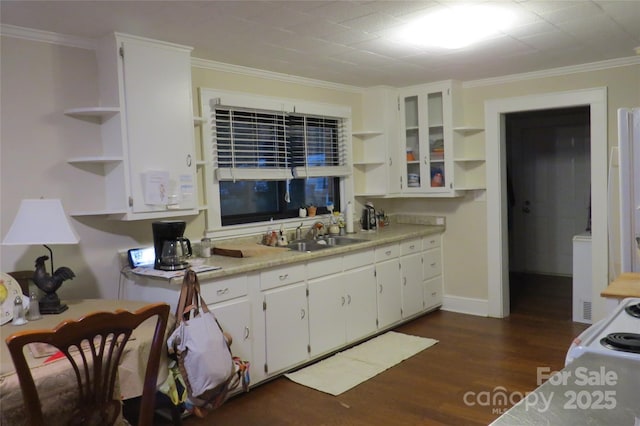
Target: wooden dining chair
point(94, 345)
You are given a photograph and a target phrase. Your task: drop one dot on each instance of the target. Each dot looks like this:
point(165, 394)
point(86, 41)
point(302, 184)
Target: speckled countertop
point(385, 235)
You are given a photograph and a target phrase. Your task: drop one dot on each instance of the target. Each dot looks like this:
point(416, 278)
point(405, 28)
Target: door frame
point(497, 242)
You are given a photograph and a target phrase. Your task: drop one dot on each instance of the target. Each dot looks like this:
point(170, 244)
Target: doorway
point(548, 190)
point(496, 195)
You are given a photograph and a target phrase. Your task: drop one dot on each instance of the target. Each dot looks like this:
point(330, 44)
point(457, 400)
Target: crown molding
point(46, 37)
point(288, 78)
point(87, 43)
point(554, 72)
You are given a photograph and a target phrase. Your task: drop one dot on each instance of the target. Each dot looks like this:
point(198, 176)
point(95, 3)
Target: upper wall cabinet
point(436, 160)
point(145, 162)
point(376, 164)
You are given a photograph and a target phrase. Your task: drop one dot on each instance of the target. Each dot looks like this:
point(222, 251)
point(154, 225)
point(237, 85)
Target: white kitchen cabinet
point(286, 326)
point(360, 292)
point(342, 305)
point(327, 314)
point(412, 284)
point(388, 282)
point(376, 165)
point(146, 157)
point(432, 270)
point(443, 157)
point(235, 318)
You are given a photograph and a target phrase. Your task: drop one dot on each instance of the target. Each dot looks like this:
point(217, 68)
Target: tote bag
point(204, 357)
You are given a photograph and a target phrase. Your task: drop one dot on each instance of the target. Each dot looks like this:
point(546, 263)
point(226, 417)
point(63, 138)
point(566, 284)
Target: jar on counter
point(205, 247)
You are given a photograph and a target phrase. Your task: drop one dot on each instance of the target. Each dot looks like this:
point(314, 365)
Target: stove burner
point(626, 342)
point(633, 310)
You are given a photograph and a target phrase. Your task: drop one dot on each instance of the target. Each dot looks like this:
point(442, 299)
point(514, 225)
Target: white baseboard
point(465, 305)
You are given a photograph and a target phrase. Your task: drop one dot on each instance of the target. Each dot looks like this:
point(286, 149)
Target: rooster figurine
point(50, 302)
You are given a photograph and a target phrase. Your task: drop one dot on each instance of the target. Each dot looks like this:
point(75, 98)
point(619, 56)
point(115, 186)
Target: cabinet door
point(433, 292)
point(426, 115)
point(235, 318)
point(360, 294)
point(159, 124)
point(287, 326)
point(412, 284)
point(432, 263)
point(327, 303)
point(389, 292)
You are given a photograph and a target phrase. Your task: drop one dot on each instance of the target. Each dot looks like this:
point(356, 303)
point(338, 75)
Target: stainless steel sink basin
point(306, 245)
point(340, 240)
point(323, 243)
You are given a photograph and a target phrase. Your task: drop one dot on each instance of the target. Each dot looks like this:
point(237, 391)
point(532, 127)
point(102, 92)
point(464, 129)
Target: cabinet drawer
point(277, 277)
point(358, 259)
point(433, 292)
point(432, 263)
point(387, 252)
point(323, 267)
point(225, 289)
point(432, 241)
point(411, 246)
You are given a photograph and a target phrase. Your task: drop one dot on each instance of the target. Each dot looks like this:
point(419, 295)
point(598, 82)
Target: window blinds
point(254, 144)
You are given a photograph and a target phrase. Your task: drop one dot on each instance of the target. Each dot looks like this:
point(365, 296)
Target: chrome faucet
point(316, 230)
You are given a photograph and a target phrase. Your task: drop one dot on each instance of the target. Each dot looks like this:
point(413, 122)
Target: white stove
point(616, 335)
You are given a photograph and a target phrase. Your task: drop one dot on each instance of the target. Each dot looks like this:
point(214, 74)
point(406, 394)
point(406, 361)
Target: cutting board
point(246, 250)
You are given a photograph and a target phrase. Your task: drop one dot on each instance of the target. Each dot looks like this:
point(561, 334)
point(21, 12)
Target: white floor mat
point(345, 370)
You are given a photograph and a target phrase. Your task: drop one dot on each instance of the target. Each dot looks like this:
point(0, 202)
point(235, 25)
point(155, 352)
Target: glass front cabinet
point(426, 115)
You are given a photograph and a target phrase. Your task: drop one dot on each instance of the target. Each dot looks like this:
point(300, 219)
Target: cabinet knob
point(380, 288)
point(348, 299)
point(283, 277)
point(303, 313)
point(246, 333)
point(188, 160)
point(343, 301)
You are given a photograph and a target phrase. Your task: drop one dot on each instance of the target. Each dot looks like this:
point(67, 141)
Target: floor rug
point(345, 370)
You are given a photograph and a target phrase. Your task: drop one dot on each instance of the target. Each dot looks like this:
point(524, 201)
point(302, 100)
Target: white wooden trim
point(497, 250)
point(465, 305)
point(554, 72)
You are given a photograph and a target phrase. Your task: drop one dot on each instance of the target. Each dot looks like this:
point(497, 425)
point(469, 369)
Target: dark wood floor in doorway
point(448, 384)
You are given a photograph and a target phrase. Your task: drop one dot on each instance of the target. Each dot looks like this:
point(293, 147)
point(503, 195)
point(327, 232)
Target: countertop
point(232, 266)
point(626, 285)
point(592, 390)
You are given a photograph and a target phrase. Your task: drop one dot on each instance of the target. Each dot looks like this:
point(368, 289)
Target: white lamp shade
point(40, 222)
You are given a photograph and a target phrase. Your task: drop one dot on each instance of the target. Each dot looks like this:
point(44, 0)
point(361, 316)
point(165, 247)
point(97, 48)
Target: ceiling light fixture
point(457, 27)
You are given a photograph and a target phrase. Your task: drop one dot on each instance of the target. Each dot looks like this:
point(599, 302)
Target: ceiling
point(350, 42)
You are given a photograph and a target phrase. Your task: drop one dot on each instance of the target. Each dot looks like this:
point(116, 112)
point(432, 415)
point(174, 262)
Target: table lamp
point(43, 221)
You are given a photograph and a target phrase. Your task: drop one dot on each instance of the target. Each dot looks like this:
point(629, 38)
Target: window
point(271, 160)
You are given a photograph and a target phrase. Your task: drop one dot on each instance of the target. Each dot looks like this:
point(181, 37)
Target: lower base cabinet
point(341, 309)
point(412, 285)
point(235, 318)
point(286, 327)
point(433, 292)
point(389, 297)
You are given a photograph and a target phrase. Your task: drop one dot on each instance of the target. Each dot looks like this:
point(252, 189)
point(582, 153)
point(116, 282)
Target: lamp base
point(52, 308)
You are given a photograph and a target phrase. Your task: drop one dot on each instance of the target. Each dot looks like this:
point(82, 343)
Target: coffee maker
point(172, 249)
point(368, 221)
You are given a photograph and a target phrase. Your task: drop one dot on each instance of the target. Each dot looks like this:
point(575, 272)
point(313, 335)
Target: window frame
point(207, 173)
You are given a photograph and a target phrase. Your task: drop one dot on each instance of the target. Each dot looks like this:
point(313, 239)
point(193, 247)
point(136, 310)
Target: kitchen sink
point(323, 243)
point(340, 240)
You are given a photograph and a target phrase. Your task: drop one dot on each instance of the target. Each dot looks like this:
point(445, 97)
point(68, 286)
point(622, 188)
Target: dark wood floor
point(475, 357)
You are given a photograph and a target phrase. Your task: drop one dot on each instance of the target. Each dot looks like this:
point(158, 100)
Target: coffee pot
point(175, 253)
point(172, 249)
point(368, 220)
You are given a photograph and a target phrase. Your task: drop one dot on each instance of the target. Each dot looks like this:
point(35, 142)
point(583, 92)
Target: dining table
point(54, 377)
